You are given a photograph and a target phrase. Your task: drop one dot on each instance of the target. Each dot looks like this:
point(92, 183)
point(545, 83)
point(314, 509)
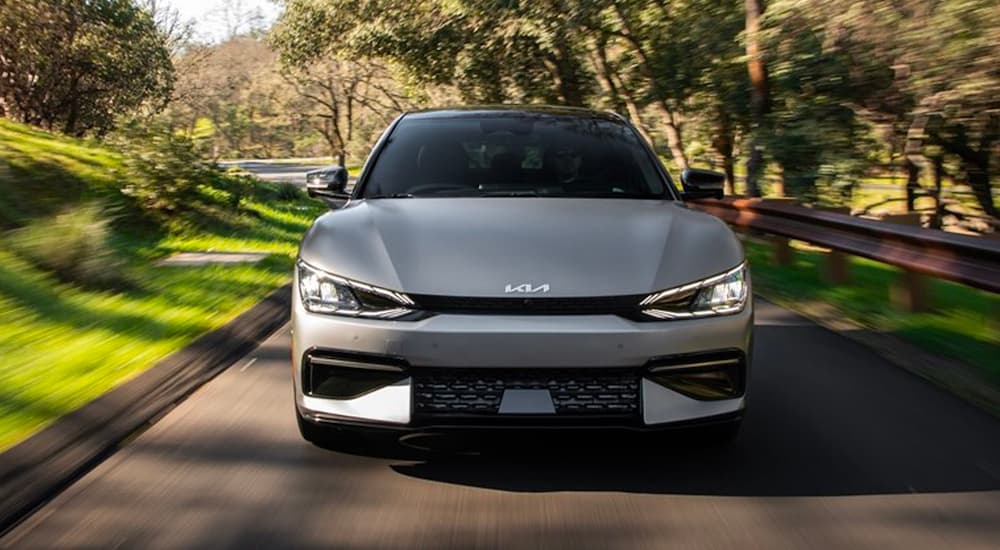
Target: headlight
point(722, 294)
point(322, 292)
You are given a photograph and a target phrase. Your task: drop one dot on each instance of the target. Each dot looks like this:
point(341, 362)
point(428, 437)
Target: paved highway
point(840, 449)
point(279, 172)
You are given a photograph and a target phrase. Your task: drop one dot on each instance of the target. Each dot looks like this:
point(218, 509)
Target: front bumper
point(524, 343)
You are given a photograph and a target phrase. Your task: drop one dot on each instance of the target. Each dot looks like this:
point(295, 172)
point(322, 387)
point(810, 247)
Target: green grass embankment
point(64, 342)
point(963, 322)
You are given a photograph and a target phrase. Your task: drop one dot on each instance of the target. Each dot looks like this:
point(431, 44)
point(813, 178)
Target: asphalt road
point(839, 449)
point(279, 172)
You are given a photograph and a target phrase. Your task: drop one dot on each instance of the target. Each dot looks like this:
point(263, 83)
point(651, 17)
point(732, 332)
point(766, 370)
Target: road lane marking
point(245, 367)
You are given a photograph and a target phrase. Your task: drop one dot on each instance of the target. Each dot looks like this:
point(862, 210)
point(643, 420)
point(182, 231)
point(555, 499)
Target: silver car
point(520, 267)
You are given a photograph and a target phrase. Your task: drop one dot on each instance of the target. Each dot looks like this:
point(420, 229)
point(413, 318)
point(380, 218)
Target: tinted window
point(504, 155)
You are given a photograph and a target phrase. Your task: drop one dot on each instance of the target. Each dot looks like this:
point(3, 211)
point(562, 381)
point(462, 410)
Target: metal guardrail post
point(781, 250)
point(838, 268)
point(838, 265)
point(909, 292)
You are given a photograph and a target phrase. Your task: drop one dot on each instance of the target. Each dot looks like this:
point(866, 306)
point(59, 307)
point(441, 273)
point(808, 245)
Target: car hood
point(480, 246)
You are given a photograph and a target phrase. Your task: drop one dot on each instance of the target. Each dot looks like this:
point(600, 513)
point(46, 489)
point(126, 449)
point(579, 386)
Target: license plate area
point(527, 402)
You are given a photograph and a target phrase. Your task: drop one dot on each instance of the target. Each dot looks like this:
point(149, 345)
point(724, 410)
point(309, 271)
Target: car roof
point(489, 111)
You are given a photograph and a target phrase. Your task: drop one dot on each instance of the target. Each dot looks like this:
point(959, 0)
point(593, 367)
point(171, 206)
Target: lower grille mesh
point(479, 391)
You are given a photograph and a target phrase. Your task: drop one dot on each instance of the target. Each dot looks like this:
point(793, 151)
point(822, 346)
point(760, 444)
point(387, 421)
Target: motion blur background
point(116, 117)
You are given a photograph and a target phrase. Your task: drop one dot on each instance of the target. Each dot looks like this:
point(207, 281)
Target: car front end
point(603, 367)
point(418, 313)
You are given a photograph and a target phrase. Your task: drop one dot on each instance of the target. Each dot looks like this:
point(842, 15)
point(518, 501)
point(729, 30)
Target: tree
point(177, 32)
point(336, 93)
point(491, 51)
point(76, 65)
point(517, 51)
point(926, 70)
point(239, 19)
point(950, 53)
point(232, 96)
point(759, 92)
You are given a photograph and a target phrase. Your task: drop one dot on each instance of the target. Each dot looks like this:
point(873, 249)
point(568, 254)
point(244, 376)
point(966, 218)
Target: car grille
point(575, 392)
point(600, 305)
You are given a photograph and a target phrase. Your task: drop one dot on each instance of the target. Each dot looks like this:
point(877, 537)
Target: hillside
point(83, 306)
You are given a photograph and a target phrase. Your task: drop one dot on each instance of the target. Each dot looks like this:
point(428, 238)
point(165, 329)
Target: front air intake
point(610, 392)
point(703, 376)
point(348, 375)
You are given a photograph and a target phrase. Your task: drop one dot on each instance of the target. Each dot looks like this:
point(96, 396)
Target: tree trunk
point(758, 94)
point(722, 142)
point(633, 115)
point(975, 163)
point(599, 59)
point(671, 128)
point(936, 219)
point(729, 168)
point(978, 167)
point(569, 76)
point(978, 177)
point(673, 134)
point(912, 183)
point(617, 90)
point(69, 128)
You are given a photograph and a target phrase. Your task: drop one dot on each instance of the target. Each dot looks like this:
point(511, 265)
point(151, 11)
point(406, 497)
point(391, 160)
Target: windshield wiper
point(518, 193)
point(393, 196)
point(613, 195)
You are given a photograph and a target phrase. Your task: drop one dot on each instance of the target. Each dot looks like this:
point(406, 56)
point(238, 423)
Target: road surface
point(278, 172)
point(839, 449)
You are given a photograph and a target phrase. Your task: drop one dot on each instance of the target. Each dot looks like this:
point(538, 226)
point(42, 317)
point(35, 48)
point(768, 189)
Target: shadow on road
point(840, 422)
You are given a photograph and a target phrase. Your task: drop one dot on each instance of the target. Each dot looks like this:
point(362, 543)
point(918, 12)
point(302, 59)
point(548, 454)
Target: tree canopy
point(75, 65)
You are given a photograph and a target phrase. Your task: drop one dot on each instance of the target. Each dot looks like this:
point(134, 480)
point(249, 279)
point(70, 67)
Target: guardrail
point(973, 261)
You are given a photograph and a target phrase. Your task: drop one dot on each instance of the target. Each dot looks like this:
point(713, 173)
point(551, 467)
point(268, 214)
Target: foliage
point(334, 96)
point(236, 100)
point(75, 65)
point(289, 192)
point(41, 173)
point(151, 178)
point(846, 84)
point(74, 245)
point(842, 90)
point(162, 168)
point(461, 43)
point(925, 70)
point(84, 304)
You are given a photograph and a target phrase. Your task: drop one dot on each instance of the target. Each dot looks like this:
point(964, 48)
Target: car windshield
point(512, 156)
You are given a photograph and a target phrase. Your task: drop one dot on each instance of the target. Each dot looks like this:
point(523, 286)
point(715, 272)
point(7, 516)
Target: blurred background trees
point(827, 102)
point(73, 65)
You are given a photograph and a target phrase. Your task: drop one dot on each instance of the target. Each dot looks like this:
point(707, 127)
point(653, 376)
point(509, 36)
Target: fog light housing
point(706, 377)
point(342, 375)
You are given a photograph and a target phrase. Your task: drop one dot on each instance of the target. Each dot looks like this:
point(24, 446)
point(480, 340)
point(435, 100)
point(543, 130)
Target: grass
point(964, 324)
point(63, 344)
point(41, 173)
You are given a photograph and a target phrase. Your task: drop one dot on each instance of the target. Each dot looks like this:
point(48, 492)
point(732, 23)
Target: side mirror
point(702, 184)
point(339, 175)
point(329, 184)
